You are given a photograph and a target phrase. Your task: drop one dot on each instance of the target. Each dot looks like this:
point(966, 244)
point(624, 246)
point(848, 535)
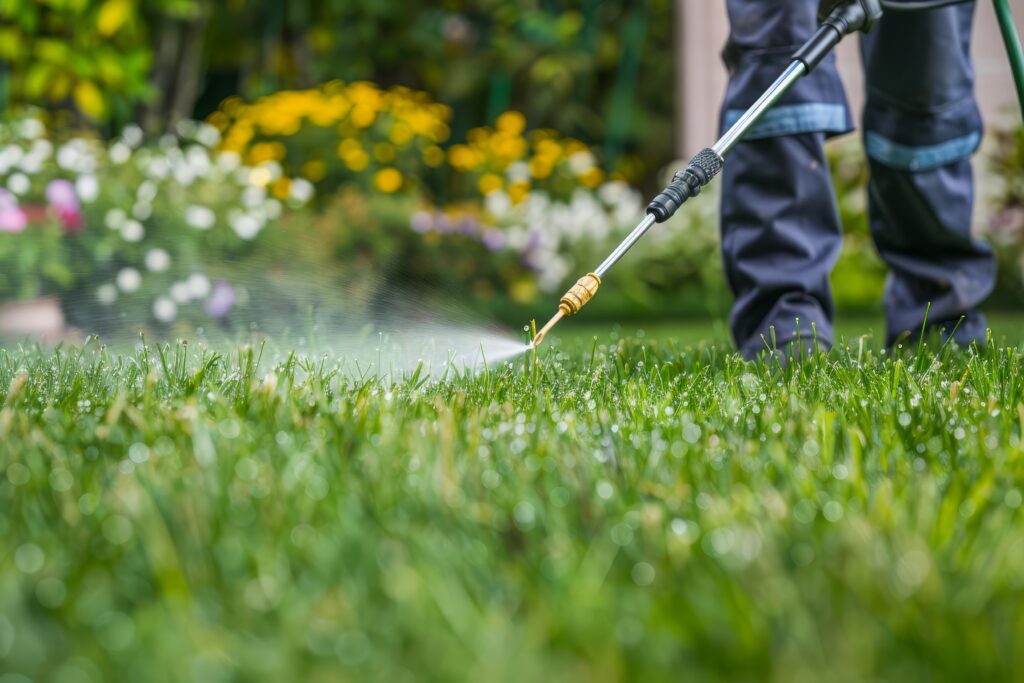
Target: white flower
point(132, 135)
point(184, 174)
point(19, 183)
point(612, 191)
point(200, 217)
point(115, 218)
point(207, 134)
point(580, 162)
point(158, 260)
point(179, 292)
point(228, 161)
point(272, 209)
point(520, 170)
point(259, 176)
point(165, 310)
point(198, 160)
point(198, 285)
point(146, 191)
point(132, 231)
point(69, 156)
point(9, 156)
point(31, 163)
point(301, 190)
point(88, 188)
point(41, 149)
point(158, 168)
point(32, 128)
point(274, 168)
point(129, 280)
point(498, 204)
point(244, 225)
point(142, 210)
point(119, 153)
point(106, 294)
point(186, 128)
point(253, 197)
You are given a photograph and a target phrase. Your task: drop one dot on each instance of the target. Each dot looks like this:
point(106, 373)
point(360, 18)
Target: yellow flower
point(384, 152)
point(592, 177)
point(462, 157)
point(219, 120)
point(518, 191)
point(489, 183)
point(433, 156)
point(401, 133)
point(281, 188)
point(266, 151)
point(540, 168)
point(511, 122)
point(357, 160)
point(363, 116)
point(387, 180)
point(314, 170)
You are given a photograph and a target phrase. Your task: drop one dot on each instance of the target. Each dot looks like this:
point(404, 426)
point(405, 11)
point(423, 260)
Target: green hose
point(1013, 46)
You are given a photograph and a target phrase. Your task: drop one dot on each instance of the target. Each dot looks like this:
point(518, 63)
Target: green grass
point(626, 509)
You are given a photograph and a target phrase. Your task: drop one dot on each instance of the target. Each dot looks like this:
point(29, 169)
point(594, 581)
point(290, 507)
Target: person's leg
point(921, 126)
point(779, 222)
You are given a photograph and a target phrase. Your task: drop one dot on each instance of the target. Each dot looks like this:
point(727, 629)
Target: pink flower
point(62, 198)
point(12, 218)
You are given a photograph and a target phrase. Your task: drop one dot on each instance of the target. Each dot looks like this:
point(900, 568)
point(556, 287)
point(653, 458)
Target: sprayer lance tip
point(547, 328)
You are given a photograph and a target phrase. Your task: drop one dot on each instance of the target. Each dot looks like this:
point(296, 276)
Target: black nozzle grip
point(685, 184)
point(838, 18)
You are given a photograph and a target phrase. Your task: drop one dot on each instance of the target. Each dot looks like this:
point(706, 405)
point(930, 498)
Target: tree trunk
point(190, 71)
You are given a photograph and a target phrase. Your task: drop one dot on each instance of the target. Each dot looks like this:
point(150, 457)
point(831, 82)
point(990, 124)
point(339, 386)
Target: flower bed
point(126, 230)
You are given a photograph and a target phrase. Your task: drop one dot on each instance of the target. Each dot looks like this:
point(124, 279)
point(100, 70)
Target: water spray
point(839, 19)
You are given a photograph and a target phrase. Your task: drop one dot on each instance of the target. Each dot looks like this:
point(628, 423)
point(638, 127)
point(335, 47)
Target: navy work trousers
point(780, 225)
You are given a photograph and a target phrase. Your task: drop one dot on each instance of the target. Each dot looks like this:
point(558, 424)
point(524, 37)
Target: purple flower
point(421, 222)
point(493, 239)
point(442, 223)
point(467, 225)
point(533, 241)
point(12, 218)
point(61, 196)
point(221, 300)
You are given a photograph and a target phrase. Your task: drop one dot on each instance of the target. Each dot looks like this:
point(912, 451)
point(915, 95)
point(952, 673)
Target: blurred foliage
point(570, 65)
point(574, 65)
point(93, 54)
point(1006, 227)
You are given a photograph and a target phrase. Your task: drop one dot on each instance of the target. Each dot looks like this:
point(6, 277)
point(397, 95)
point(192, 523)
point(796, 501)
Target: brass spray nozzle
point(571, 303)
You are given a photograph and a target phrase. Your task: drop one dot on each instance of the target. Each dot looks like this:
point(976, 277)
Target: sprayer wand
point(840, 20)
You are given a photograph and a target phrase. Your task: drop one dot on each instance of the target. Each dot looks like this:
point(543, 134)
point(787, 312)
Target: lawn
point(623, 508)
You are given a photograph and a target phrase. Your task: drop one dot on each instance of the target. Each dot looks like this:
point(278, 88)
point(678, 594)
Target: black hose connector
point(838, 19)
point(685, 184)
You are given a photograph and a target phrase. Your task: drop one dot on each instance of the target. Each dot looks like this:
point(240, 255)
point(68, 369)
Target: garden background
point(175, 163)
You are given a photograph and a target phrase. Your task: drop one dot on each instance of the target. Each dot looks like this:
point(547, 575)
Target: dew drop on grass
point(622, 534)
point(832, 511)
point(138, 453)
point(51, 592)
point(61, 480)
point(643, 574)
point(18, 474)
point(29, 558)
